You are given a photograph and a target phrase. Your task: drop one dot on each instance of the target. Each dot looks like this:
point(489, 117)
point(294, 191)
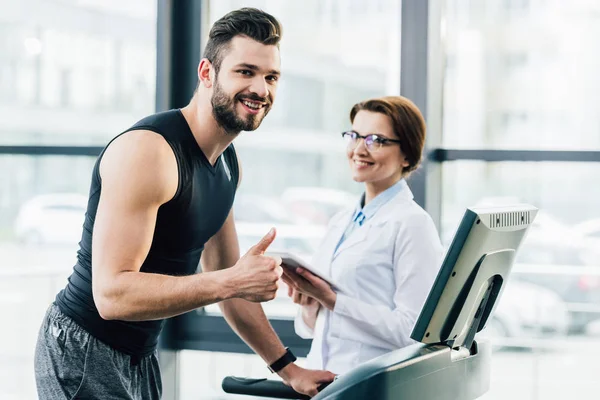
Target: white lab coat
point(389, 264)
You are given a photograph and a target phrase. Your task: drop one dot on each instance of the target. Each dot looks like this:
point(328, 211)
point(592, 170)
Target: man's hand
point(255, 276)
point(305, 381)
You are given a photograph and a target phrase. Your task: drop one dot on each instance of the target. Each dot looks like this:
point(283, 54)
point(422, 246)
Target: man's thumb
point(264, 243)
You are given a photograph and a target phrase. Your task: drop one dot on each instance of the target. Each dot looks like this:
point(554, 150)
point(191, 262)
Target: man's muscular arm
point(248, 320)
point(139, 174)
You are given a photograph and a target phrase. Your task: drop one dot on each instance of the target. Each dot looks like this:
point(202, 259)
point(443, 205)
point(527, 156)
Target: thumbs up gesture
point(256, 275)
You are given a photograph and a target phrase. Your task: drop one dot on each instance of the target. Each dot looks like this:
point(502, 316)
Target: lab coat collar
point(362, 232)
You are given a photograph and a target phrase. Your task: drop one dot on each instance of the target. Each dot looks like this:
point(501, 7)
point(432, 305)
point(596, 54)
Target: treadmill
point(448, 362)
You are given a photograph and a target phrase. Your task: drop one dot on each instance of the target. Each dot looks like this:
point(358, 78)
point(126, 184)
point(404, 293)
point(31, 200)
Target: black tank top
point(184, 224)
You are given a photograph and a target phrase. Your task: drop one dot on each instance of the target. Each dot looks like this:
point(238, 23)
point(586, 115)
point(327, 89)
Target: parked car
point(299, 239)
point(589, 228)
point(55, 218)
point(526, 311)
point(261, 209)
point(58, 218)
point(317, 205)
point(555, 256)
point(567, 266)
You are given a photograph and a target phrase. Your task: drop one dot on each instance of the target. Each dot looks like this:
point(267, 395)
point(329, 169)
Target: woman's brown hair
point(407, 121)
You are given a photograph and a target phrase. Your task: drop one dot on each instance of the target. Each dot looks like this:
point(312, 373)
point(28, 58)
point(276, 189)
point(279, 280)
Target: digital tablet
point(292, 261)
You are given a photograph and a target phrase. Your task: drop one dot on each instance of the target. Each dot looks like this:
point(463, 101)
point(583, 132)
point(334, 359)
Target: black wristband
point(283, 361)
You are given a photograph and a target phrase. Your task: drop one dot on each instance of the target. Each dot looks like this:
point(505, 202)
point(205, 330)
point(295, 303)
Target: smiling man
point(160, 202)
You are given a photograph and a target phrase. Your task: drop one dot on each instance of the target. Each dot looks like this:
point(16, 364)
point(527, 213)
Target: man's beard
point(224, 111)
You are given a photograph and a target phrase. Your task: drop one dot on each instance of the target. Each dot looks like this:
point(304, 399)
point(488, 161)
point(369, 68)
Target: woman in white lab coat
point(384, 250)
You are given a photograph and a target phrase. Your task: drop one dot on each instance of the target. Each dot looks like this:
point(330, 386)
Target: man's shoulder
point(139, 149)
point(140, 141)
point(158, 118)
point(143, 162)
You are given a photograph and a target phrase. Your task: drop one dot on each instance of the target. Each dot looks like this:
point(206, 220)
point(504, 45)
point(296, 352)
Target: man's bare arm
point(247, 319)
point(139, 174)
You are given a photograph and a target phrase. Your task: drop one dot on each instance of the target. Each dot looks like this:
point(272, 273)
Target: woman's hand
point(310, 306)
point(309, 285)
point(302, 299)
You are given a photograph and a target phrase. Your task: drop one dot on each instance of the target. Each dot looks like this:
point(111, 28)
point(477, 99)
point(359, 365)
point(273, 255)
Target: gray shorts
point(72, 364)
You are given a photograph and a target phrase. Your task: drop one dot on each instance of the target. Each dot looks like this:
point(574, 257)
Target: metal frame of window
point(50, 150)
point(179, 27)
point(436, 155)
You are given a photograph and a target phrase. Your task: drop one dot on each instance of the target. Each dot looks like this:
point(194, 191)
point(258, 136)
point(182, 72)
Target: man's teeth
point(255, 106)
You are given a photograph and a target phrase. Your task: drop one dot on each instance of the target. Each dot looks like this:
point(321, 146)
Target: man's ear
point(205, 73)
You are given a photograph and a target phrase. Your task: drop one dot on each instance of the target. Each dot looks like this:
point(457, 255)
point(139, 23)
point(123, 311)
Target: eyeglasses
point(373, 142)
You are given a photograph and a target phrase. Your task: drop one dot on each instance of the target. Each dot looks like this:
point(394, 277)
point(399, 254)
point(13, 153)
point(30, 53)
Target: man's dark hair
point(251, 22)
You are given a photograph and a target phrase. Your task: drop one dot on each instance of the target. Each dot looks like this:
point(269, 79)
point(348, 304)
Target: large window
point(72, 73)
point(521, 75)
point(520, 91)
point(528, 82)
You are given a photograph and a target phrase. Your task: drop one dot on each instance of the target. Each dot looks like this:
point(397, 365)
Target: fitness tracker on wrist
point(283, 361)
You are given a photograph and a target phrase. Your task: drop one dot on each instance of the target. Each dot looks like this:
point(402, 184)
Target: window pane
point(76, 72)
point(522, 74)
point(71, 73)
point(41, 209)
point(42, 206)
point(548, 317)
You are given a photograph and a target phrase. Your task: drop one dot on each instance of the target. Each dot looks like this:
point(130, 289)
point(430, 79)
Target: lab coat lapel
point(325, 254)
point(336, 235)
point(358, 236)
